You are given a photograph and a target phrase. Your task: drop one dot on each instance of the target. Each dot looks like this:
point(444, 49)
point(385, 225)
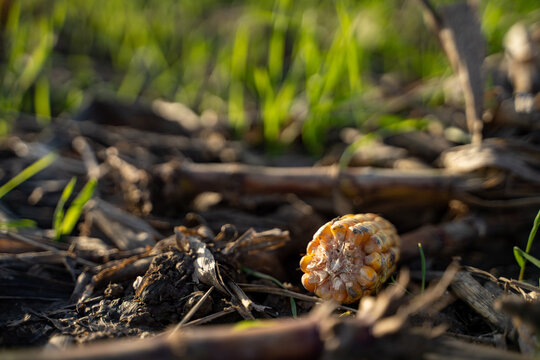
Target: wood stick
point(458, 30)
point(186, 177)
point(480, 299)
point(284, 339)
point(452, 349)
point(44, 246)
point(288, 293)
point(304, 338)
point(449, 238)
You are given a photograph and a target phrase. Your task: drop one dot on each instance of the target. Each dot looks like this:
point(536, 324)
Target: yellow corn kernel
point(367, 276)
point(305, 282)
point(312, 245)
point(374, 260)
point(304, 262)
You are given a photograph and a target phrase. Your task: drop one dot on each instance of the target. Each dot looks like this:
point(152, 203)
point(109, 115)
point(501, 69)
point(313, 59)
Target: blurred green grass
point(288, 68)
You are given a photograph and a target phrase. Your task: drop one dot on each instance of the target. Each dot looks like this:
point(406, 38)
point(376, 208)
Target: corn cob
point(349, 257)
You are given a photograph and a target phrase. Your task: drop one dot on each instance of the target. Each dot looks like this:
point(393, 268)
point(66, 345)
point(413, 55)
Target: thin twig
point(209, 318)
point(45, 247)
point(288, 293)
point(192, 311)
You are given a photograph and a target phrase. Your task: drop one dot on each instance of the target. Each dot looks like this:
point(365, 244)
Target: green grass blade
point(262, 82)
point(423, 263)
point(308, 44)
point(38, 57)
point(17, 224)
point(27, 173)
point(59, 210)
point(239, 54)
point(349, 152)
point(276, 54)
point(276, 47)
point(532, 234)
point(42, 102)
point(527, 257)
point(519, 259)
point(74, 212)
point(237, 117)
point(239, 57)
point(294, 312)
point(260, 275)
point(250, 324)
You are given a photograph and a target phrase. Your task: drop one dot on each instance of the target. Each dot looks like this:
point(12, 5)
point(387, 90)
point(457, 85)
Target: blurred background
point(276, 71)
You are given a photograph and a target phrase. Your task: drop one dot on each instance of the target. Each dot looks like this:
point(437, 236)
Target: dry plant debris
point(390, 318)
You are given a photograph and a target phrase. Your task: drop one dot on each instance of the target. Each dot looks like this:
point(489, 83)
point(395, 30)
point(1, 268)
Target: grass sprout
point(295, 69)
point(522, 256)
point(423, 264)
point(27, 173)
point(349, 152)
point(64, 224)
point(17, 224)
point(59, 210)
